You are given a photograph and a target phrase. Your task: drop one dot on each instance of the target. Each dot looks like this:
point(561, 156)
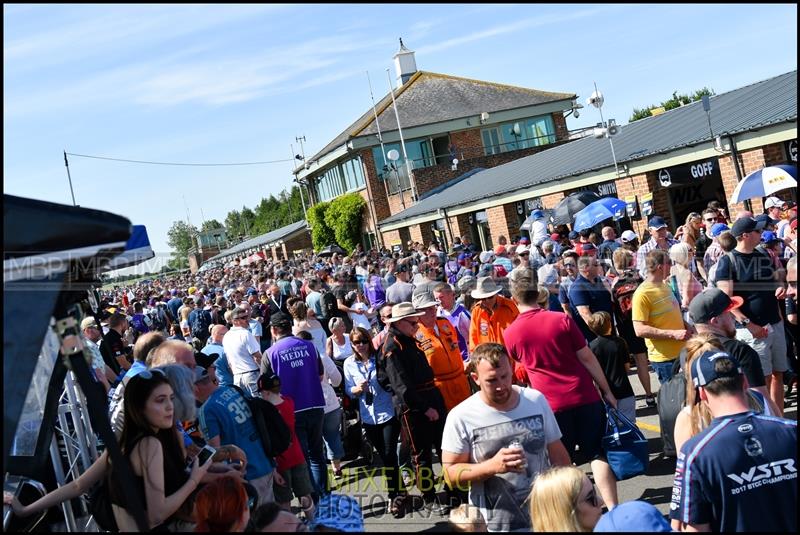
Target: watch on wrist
point(744, 322)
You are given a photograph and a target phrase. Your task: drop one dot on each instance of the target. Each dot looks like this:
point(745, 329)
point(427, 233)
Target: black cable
point(171, 163)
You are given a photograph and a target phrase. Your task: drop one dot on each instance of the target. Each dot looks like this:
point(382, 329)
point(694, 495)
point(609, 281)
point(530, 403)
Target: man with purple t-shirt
point(299, 367)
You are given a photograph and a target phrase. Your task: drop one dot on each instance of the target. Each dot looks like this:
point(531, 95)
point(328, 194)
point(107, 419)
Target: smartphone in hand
point(205, 454)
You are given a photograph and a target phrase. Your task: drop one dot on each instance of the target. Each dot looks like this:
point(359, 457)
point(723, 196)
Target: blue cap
point(537, 214)
point(766, 219)
point(703, 368)
point(718, 228)
point(656, 222)
point(633, 516)
point(338, 512)
point(768, 236)
point(573, 235)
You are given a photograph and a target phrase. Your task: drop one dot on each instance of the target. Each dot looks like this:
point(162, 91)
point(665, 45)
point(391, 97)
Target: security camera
point(577, 114)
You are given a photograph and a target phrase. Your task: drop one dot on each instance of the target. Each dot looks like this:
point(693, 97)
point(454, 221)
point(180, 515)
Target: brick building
point(670, 165)
point(281, 244)
point(449, 126)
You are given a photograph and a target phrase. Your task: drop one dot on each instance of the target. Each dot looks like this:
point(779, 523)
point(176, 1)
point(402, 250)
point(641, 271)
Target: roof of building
point(428, 98)
point(264, 239)
point(758, 105)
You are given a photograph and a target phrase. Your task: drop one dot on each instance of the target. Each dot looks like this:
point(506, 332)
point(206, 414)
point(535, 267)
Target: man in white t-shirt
point(243, 352)
point(477, 434)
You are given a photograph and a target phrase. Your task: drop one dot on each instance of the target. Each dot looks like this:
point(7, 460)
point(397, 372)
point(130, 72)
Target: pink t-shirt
point(546, 344)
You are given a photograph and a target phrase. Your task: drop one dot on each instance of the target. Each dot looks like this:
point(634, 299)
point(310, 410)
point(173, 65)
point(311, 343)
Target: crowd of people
point(501, 363)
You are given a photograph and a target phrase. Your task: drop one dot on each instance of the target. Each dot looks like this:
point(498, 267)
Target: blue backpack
point(374, 291)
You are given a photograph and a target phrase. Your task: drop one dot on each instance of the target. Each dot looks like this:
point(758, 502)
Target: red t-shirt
point(294, 455)
point(546, 344)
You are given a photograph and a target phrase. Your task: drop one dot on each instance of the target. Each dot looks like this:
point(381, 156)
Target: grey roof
point(428, 98)
point(263, 239)
point(755, 106)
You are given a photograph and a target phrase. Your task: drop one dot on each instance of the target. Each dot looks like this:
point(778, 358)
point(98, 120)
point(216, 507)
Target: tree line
point(270, 214)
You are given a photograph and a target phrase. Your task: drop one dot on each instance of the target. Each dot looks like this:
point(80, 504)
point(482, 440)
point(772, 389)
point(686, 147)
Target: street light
point(606, 130)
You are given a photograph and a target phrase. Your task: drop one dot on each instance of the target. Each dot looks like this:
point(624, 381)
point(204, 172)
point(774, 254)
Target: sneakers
point(436, 508)
point(650, 401)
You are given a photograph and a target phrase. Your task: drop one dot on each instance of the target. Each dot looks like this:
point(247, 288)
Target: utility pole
point(299, 184)
point(66, 163)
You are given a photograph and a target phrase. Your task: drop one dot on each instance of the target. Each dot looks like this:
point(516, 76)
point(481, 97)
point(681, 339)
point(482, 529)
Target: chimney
point(404, 63)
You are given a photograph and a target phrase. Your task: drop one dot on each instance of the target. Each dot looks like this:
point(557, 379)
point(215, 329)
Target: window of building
point(491, 141)
point(339, 179)
point(420, 154)
point(521, 134)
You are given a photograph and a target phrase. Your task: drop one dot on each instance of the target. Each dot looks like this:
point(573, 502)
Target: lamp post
point(607, 130)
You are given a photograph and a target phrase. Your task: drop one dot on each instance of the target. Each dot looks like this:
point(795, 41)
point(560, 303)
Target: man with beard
point(711, 313)
point(498, 440)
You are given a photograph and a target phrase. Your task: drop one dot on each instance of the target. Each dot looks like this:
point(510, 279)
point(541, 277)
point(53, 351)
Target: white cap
point(628, 236)
point(773, 202)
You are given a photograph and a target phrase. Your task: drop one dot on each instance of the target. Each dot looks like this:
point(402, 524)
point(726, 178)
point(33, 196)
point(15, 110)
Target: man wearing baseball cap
point(738, 474)
point(658, 240)
point(749, 273)
point(711, 313)
point(538, 228)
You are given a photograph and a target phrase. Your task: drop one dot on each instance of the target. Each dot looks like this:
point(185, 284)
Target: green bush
point(322, 235)
point(343, 216)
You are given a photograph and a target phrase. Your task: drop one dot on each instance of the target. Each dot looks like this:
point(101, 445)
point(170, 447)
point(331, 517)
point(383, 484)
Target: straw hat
point(486, 288)
point(402, 311)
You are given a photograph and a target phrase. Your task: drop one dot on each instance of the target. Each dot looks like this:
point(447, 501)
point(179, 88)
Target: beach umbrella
point(605, 208)
point(765, 182)
point(564, 212)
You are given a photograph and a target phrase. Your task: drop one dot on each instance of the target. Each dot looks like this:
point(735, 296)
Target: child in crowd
point(292, 465)
point(613, 355)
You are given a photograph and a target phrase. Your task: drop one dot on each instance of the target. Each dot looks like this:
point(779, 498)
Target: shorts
point(771, 350)
point(584, 427)
point(298, 481)
point(263, 486)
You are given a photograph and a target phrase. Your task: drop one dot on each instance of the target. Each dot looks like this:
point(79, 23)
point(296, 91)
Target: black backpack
point(671, 399)
point(200, 324)
point(273, 431)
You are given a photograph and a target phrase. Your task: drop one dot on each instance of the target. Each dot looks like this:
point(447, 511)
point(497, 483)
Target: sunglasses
point(569, 264)
point(710, 219)
point(148, 374)
point(412, 322)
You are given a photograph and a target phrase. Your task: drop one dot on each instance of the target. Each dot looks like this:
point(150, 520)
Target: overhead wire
point(178, 163)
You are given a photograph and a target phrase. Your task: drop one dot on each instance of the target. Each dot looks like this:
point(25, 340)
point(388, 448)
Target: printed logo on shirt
point(752, 446)
point(484, 328)
point(745, 428)
point(764, 474)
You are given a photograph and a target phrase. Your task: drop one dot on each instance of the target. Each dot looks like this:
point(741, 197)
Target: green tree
point(676, 101)
point(322, 234)
point(211, 225)
point(344, 216)
point(233, 224)
point(248, 220)
point(180, 237)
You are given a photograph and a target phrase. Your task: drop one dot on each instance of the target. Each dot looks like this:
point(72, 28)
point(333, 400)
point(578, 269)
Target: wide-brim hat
point(403, 310)
point(486, 288)
point(422, 300)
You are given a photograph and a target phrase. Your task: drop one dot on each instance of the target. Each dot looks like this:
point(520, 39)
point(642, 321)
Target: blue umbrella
point(607, 207)
point(765, 182)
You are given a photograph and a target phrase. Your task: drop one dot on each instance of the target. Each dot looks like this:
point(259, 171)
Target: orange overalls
point(441, 350)
point(489, 325)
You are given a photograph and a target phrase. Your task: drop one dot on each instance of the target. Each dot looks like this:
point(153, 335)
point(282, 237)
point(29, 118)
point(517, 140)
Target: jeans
point(663, 370)
point(308, 427)
point(332, 434)
point(384, 438)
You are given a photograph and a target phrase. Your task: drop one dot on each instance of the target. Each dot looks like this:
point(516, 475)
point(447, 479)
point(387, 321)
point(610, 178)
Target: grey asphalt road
point(654, 487)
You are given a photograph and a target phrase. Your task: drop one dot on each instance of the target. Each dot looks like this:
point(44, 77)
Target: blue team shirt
point(739, 475)
point(227, 415)
point(224, 373)
point(595, 296)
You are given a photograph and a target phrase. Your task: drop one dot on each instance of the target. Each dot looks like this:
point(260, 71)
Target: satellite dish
point(596, 99)
point(393, 155)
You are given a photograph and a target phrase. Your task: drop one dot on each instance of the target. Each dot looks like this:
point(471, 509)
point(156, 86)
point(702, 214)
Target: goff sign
point(689, 173)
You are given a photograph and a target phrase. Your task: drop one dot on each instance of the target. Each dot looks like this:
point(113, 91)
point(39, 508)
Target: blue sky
point(237, 83)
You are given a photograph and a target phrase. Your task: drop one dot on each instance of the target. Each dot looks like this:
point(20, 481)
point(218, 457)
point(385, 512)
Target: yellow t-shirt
point(655, 305)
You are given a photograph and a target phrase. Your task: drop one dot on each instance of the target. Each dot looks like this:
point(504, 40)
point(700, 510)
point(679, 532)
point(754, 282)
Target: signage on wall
point(690, 173)
point(791, 150)
point(534, 204)
point(604, 189)
point(647, 204)
point(630, 207)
